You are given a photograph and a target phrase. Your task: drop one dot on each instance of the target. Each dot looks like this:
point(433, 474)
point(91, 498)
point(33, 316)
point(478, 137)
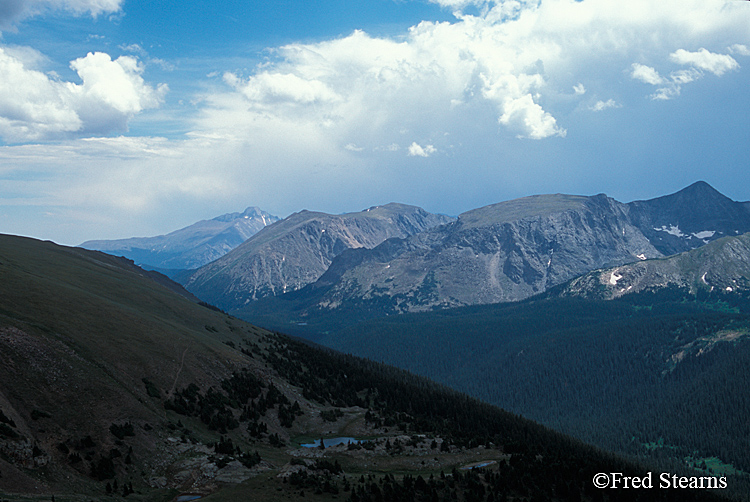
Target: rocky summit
point(297, 250)
point(515, 249)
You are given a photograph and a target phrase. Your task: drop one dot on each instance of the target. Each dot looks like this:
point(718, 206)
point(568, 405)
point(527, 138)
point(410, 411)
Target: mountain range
point(623, 324)
point(513, 250)
point(113, 385)
point(296, 251)
point(189, 247)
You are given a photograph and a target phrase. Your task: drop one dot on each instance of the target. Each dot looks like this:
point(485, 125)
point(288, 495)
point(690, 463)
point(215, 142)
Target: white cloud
point(702, 60)
point(14, 10)
point(739, 49)
point(603, 105)
point(646, 74)
point(416, 150)
point(35, 106)
point(272, 88)
point(459, 4)
point(526, 115)
point(718, 64)
point(326, 117)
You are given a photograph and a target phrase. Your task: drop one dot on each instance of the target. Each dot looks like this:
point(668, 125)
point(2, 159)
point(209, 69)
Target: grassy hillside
point(112, 385)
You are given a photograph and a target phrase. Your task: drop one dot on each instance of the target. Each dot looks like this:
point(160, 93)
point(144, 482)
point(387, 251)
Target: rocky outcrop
point(297, 250)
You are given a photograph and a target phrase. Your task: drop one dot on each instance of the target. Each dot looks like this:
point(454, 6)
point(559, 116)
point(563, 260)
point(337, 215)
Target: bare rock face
point(503, 252)
point(297, 250)
point(190, 247)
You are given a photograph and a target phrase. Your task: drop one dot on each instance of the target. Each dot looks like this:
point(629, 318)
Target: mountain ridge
point(192, 246)
point(297, 250)
point(720, 265)
point(515, 249)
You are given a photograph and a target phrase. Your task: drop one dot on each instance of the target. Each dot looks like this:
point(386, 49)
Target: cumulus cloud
point(603, 105)
point(740, 49)
point(416, 150)
point(459, 4)
point(512, 56)
point(15, 10)
point(272, 88)
point(525, 114)
point(341, 116)
point(35, 106)
point(718, 64)
point(700, 61)
point(646, 74)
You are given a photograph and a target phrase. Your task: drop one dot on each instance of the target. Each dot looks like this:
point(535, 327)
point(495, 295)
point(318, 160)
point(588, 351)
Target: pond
point(478, 466)
point(187, 498)
point(330, 442)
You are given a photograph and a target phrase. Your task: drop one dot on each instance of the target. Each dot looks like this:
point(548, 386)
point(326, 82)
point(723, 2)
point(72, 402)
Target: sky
point(123, 118)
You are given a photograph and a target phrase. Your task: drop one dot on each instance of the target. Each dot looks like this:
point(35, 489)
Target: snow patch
point(672, 230)
point(614, 278)
point(641, 256)
point(729, 288)
point(706, 234)
point(703, 278)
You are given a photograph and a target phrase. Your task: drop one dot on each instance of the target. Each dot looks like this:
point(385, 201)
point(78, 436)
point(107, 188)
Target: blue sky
point(124, 118)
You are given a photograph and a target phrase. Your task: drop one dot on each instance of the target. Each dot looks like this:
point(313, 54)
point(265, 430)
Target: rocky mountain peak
point(297, 250)
point(689, 218)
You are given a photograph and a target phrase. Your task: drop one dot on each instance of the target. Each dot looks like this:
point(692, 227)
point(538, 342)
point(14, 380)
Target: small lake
point(478, 466)
point(330, 442)
point(187, 498)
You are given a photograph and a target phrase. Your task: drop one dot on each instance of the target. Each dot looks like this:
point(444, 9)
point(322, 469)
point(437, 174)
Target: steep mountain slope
point(192, 246)
point(721, 265)
point(689, 218)
point(297, 250)
point(503, 252)
point(112, 384)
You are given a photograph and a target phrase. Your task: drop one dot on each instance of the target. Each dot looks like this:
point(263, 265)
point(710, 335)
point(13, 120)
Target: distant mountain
point(719, 266)
point(503, 252)
point(297, 250)
point(515, 249)
point(111, 385)
point(689, 218)
point(192, 246)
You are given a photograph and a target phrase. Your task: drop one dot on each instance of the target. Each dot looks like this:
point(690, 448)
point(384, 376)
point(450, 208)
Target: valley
point(571, 311)
point(114, 386)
